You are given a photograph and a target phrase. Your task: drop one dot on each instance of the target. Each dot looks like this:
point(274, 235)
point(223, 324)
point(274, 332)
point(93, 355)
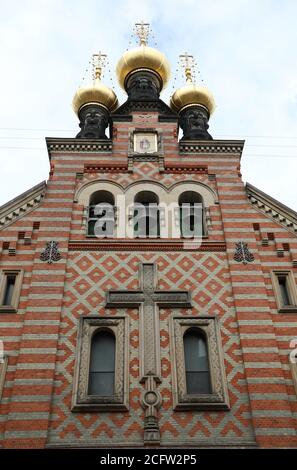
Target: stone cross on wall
point(149, 300)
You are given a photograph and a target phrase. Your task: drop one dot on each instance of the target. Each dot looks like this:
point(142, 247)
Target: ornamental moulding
point(185, 168)
point(217, 147)
point(274, 209)
point(74, 145)
point(107, 168)
point(145, 245)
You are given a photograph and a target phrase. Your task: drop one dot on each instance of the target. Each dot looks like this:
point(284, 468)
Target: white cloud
point(245, 50)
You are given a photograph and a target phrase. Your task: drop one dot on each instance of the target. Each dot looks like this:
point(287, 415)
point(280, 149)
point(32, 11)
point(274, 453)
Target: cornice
point(78, 145)
point(145, 245)
point(21, 205)
point(222, 147)
point(274, 209)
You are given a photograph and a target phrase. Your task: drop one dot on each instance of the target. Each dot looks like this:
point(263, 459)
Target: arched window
point(196, 362)
point(146, 216)
point(101, 210)
point(191, 214)
point(102, 364)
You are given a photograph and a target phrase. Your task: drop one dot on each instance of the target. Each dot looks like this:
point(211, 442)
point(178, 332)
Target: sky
point(246, 52)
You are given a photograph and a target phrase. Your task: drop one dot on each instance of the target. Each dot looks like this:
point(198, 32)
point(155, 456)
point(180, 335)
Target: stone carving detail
point(148, 299)
point(243, 254)
point(151, 402)
point(194, 123)
point(218, 399)
point(93, 122)
point(51, 252)
point(143, 86)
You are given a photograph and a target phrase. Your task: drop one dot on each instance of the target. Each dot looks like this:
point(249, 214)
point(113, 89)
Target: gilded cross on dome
point(142, 30)
point(188, 63)
point(98, 64)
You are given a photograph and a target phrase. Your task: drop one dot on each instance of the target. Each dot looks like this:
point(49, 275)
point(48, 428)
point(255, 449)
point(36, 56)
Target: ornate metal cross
point(98, 64)
point(142, 30)
point(188, 63)
point(149, 299)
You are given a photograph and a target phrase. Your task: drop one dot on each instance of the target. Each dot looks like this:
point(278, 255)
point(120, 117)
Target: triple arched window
point(147, 215)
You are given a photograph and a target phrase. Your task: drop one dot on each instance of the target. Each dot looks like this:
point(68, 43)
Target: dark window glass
point(191, 214)
point(102, 364)
point(283, 285)
point(196, 363)
point(101, 197)
point(146, 215)
point(9, 287)
point(91, 227)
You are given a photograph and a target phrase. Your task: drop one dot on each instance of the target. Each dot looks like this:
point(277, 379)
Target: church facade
point(170, 330)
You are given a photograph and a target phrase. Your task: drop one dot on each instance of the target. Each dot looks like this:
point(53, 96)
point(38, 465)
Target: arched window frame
point(92, 218)
point(147, 216)
point(218, 398)
point(198, 196)
point(200, 333)
point(97, 332)
point(88, 327)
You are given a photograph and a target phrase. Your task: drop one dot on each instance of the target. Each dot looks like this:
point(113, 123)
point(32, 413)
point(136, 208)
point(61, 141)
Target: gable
point(272, 208)
point(21, 205)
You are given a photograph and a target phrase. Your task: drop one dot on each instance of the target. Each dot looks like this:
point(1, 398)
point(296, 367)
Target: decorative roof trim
point(274, 209)
point(156, 105)
point(21, 205)
point(144, 245)
point(78, 145)
point(211, 146)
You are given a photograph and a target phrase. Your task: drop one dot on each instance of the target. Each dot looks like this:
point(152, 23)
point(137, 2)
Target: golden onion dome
point(143, 58)
point(95, 93)
point(192, 95)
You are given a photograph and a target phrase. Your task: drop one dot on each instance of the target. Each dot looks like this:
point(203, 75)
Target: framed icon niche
point(145, 142)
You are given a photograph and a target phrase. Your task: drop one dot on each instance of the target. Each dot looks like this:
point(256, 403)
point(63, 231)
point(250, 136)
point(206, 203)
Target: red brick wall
point(40, 339)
